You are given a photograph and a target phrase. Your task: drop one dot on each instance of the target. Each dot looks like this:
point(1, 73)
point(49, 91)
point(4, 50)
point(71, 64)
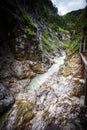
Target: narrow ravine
point(42, 77)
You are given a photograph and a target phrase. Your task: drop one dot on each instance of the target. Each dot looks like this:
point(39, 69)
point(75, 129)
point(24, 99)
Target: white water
point(41, 78)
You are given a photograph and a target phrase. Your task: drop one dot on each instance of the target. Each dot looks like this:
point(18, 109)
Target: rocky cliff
point(27, 35)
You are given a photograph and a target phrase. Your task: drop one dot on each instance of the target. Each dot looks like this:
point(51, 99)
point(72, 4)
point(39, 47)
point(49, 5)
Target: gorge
point(42, 83)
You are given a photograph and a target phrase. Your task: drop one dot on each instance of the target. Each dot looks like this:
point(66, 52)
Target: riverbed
point(54, 99)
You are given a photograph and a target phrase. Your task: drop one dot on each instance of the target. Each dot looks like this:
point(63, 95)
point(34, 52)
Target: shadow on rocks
point(52, 127)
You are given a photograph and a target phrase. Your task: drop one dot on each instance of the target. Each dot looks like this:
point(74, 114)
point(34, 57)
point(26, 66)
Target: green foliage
point(76, 21)
point(72, 16)
point(50, 41)
point(57, 28)
point(71, 47)
point(70, 20)
point(76, 37)
point(62, 30)
point(82, 20)
point(46, 12)
point(40, 48)
point(56, 20)
point(28, 19)
point(47, 44)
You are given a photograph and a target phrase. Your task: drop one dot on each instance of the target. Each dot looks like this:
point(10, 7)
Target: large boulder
point(6, 99)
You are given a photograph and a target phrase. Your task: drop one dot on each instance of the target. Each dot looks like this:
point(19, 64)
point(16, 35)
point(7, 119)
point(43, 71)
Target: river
point(41, 78)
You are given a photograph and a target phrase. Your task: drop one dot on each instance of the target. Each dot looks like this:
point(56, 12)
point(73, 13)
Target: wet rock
point(6, 99)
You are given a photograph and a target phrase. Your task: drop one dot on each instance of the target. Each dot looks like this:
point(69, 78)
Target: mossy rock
point(22, 106)
point(24, 114)
point(29, 31)
point(28, 116)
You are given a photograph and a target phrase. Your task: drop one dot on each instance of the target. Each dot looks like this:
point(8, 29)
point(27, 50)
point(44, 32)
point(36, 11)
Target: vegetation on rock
point(24, 114)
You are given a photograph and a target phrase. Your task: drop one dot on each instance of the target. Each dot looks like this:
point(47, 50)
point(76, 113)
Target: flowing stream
point(41, 78)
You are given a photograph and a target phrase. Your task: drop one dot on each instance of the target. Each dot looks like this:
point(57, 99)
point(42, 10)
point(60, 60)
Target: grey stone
point(20, 70)
point(6, 99)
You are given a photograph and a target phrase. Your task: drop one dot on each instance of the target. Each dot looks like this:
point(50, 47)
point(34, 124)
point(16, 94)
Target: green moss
point(54, 43)
point(45, 41)
point(28, 19)
point(28, 31)
point(50, 40)
point(47, 44)
point(40, 48)
point(24, 111)
point(62, 30)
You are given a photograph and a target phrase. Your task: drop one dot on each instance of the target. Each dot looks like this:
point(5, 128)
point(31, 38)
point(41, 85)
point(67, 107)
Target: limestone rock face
point(6, 99)
point(26, 47)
